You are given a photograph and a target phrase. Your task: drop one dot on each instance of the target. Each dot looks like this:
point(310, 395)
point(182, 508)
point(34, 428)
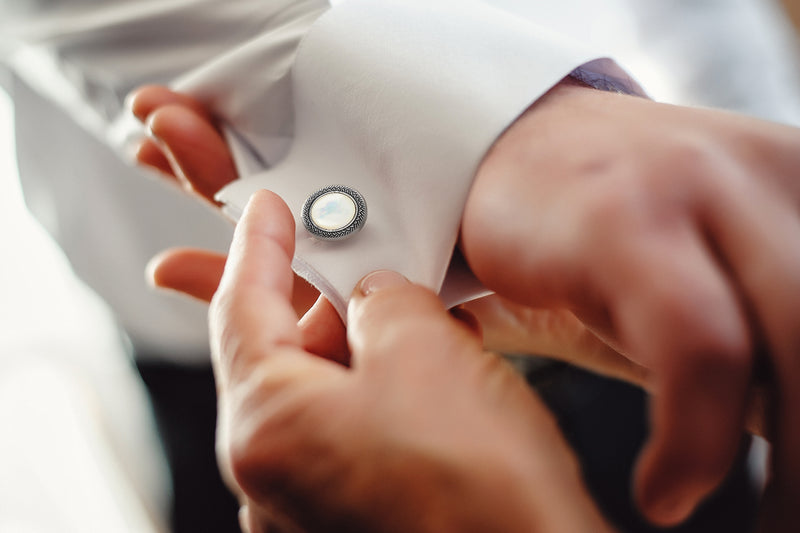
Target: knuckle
point(711, 345)
point(267, 445)
point(721, 354)
point(703, 326)
point(687, 155)
point(655, 185)
point(607, 208)
point(257, 466)
point(687, 167)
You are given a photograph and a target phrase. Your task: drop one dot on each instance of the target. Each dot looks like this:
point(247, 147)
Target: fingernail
point(128, 102)
point(379, 280)
point(148, 128)
point(150, 269)
point(130, 151)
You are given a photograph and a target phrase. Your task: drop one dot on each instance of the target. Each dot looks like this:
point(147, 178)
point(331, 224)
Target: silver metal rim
point(353, 227)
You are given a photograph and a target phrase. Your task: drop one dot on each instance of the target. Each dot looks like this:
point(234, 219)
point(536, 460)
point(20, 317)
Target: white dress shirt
point(397, 99)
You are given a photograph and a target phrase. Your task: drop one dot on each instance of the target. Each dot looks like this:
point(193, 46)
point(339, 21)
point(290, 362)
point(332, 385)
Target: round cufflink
point(334, 212)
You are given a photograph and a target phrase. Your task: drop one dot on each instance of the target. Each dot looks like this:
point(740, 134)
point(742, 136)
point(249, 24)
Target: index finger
point(251, 314)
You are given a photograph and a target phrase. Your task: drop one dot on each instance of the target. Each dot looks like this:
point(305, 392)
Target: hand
point(181, 129)
point(509, 327)
point(185, 146)
point(674, 234)
point(425, 431)
point(183, 142)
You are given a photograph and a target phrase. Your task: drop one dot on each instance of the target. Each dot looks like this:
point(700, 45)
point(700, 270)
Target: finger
point(253, 518)
point(150, 155)
point(324, 333)
point(251, 314)
point(557, 333)
point(389, 315)
point(759, 236)
point(248, 521)
point(686, 324)
point(187, 270)
point(144, 100)
point(273, 396)
point(468, 318)
point(196, 151)
point(304, 296)
point(393, 321)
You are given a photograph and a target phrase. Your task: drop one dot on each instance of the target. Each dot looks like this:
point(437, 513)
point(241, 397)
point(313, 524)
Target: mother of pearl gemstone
point(333, 211)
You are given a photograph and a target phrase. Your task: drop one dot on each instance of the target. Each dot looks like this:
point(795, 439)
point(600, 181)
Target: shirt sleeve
point(396, 99)
point(87, 55)
point(400, 100)
point(69, 66)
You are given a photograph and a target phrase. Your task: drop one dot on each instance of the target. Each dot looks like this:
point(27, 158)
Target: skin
point(674, 234)
point(179, 128)
point(384, 445)
point(667, 256)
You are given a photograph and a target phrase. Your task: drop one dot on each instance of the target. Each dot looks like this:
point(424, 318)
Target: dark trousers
point(605, 421)
point(184, 401)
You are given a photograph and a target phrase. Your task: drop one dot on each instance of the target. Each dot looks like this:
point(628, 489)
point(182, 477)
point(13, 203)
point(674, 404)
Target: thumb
point(388, 315)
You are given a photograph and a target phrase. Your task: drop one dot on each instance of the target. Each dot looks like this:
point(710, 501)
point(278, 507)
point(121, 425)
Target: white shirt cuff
point(400, 100)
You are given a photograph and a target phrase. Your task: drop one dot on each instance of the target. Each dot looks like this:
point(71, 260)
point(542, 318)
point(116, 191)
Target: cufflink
point(334, 212)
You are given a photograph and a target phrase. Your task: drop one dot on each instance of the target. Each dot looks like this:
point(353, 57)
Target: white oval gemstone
point(333, 211)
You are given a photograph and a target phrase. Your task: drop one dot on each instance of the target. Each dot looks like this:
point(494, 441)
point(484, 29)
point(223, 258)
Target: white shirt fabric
point(374, 107)
point(370, 97)
point(71, 65)
point(79, 450)
point(400, 100)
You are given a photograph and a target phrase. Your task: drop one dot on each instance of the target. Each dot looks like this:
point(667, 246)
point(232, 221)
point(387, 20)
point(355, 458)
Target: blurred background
point(80, 448)
point(79, 445)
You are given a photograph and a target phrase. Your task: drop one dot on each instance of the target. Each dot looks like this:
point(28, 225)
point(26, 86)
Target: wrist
point(526, 182)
